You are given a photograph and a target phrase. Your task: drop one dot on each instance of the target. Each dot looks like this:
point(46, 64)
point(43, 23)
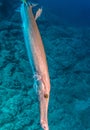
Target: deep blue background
point(74, 11)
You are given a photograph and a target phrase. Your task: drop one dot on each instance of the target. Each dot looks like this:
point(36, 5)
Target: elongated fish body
point(37, 60)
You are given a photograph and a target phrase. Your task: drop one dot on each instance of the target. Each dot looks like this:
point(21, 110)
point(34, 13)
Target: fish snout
point(44, 125)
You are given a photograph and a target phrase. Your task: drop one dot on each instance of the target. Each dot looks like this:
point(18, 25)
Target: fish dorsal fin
point(38, 13)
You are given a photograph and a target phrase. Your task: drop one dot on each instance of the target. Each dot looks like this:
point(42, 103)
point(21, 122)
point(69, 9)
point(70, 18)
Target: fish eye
point(45, 95)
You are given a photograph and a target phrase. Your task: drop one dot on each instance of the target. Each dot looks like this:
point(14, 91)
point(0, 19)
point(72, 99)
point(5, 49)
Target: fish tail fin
point(24, 1)
point(32, 4)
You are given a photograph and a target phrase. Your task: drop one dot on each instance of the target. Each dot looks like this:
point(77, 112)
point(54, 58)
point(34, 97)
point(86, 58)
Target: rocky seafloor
point(67, 50)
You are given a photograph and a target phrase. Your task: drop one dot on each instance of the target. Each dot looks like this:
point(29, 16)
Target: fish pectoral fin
point(36, 87)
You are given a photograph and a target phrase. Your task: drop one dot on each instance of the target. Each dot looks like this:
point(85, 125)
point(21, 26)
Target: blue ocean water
point(65, 30)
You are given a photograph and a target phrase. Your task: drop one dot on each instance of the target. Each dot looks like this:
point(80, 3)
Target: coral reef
point(67, 49)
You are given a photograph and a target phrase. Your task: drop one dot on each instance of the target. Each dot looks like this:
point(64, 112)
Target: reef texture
point(67, 50)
